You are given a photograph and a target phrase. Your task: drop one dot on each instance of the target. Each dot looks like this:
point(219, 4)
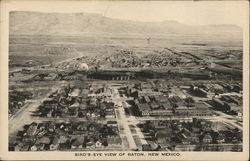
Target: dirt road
point(22, 117)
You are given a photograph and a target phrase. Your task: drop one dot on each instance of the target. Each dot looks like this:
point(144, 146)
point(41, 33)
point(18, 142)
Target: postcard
point(124, 80)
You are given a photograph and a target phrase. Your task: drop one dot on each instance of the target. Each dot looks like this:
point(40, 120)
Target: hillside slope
point(35, 23)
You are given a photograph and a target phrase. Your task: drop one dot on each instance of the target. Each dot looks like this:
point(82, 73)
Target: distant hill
point(36, 23)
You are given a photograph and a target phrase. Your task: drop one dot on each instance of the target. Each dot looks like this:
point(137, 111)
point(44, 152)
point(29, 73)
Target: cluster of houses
point(77, 103)
point(222, 96)
point(17, 99)
point(126, 58)
point(182, 100)
point(191, 135)
point(76, 63)
point(231, 104)
point(123, 59)
point(129, 59)
point(149, 102)
point(67, 136)
point(215, 89)
point(170, 106)
point(168, 58)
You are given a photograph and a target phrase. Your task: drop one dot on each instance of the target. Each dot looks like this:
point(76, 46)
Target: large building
point(111, 75)
point(168, 109)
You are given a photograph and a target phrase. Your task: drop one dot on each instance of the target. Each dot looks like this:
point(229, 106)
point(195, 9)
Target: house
point(114, 141)
point(108, 109)
point(82, 126)
point(25, 147)
point(75, 105)
point(220, 105)
point(167, 105)
point(75, 93)
point(88, 114)
point(183, 138)
point(207, 139)
point(82, 113)
point(37, 147)
point(196, 130)
point(51, 127)
point(147, 100)
point(154, 106)
point(77, 143)
point(110, 114)
point(194, 139)
point(43, 140)
point(61, 126)
point(84, 93)
point(49, 114)
point(33, 148)
point(186, 132)
point(144, 109)
point(41, 126)
point(98, 144)
point(112, 123)
point(55, 143)
point(90, 145)
point(206, 126)
point(93, 127)
point(18, 147)
point(64, 146)
point(163, 133)
point(68, 127)
point(28, 139)
point(220, 139)
point(73, 112)
point(57, 113)
point(32, 129)
point(63, 139)
point(93, 102)
point(83, 104)
point(146, 147)
point(93, 115)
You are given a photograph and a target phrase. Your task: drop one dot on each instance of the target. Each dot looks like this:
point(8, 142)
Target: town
point(103, 111)
point(87, 82)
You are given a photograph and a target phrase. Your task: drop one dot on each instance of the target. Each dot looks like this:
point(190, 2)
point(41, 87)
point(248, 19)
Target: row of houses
point(174, 106)
point(68, 136)
point(215, 89)
point(17, 100)
point(231, 104)
point(76, 103)
point(179, 101)
point(188, 136)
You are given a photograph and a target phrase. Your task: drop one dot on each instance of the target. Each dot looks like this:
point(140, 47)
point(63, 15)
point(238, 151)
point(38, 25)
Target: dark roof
point(56, 140)
point(114, 140)
point(43, 140)
point(162, 98)
point(78, 141)
point(163, 133)
point(167, 105)
point(207, 136)
point(32, 129)
point(146, 147)
point(143, 106)
point(200, 105)
point(111, 122)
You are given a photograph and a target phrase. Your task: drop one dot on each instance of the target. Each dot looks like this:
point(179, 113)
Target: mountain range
point(38, 23)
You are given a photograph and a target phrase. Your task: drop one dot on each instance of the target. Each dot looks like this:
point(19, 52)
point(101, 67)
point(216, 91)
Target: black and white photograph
point(126, 76)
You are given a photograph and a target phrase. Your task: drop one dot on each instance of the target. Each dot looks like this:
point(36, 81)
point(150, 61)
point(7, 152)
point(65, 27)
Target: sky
point(186, 12)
